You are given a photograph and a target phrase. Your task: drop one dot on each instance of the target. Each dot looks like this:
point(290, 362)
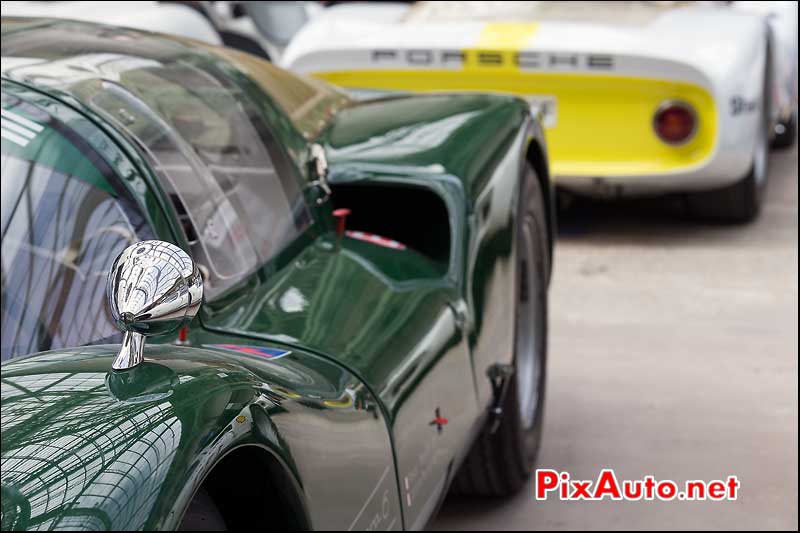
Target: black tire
point(785, 133)
point(740, 202)
point(202, 514)
point(500, 462)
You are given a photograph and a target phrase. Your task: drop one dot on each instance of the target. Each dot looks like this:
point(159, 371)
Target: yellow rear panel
point(603, 123)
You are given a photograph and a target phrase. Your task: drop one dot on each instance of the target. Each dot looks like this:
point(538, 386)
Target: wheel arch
point(536, 156)
point(251, 479)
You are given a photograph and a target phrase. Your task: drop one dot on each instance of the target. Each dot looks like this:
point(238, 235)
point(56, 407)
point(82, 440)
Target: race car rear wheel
point(502, 457)
point(739, 202)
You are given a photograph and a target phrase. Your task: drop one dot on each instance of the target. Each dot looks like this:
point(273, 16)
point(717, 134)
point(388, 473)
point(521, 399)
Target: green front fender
point(87, 448)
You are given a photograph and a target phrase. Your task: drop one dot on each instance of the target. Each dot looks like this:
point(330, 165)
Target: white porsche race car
point(637, 97)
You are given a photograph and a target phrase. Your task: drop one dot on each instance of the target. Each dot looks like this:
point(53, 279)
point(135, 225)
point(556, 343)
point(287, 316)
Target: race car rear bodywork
point(599, 79)
point(598, 120)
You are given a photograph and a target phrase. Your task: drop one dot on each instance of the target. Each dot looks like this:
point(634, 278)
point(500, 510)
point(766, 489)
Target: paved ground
point(674, 352)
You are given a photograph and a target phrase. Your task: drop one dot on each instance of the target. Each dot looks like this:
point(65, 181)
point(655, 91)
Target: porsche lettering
point(523, 59)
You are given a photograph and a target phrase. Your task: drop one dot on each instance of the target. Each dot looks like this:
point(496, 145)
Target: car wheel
point(741, 201)
point(202, 514)
point(785, 133)
point(502, 457)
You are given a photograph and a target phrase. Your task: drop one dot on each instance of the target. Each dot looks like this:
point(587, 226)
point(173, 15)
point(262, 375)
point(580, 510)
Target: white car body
point(218, 23)
point(599, 71)
point(782, 18)
point(279, 21)
point(174, 19)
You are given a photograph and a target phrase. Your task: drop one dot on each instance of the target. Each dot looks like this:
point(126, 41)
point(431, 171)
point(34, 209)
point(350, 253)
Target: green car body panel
point(379, 339)
point(125, 451)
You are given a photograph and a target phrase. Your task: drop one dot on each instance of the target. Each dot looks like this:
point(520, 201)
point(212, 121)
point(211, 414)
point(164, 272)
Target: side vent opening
point(414, 216)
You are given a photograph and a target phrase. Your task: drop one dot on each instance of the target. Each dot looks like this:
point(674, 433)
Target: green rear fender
point(471, 150)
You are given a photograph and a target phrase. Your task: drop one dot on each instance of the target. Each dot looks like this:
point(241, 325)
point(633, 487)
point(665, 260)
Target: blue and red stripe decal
point(258, 351)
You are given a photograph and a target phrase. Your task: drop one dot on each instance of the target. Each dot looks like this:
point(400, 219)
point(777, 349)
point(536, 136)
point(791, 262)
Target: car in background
point(260, 28)
point(638, 98)
point(782, 18)
point(307, 369)
point(174, 18)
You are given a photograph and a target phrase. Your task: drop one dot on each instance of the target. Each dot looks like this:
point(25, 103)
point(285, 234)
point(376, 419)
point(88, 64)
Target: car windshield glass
point(308, 102)
point(219, 165)
point(63, 224)
point(206, 128)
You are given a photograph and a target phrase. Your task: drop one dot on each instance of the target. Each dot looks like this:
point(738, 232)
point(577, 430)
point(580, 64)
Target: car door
point(434, 412)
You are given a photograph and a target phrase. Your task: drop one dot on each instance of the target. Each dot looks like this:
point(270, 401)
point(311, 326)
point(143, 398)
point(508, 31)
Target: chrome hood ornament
point(153, 288)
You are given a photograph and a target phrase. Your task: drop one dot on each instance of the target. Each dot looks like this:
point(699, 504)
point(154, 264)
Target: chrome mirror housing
point(153, 288)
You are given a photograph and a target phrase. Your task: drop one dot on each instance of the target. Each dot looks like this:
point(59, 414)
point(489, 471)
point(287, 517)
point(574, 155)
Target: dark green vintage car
point(341, 372)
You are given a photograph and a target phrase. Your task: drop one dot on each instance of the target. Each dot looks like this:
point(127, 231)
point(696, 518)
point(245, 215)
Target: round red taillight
point(675, 122)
